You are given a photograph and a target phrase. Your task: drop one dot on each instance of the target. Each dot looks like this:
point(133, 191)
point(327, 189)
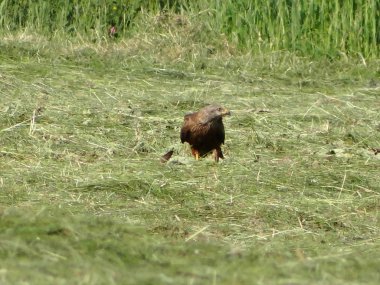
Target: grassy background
point(313, 28)
point(85, 200)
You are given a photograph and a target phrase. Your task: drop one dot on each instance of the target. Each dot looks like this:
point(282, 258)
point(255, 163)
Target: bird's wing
point(219, 132)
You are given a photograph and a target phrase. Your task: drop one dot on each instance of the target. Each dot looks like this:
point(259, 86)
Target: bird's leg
point(215, 154)
point(218, 154)
point(195, 153)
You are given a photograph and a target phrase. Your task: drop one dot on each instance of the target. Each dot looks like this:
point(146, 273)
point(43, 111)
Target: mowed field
point(84, 198)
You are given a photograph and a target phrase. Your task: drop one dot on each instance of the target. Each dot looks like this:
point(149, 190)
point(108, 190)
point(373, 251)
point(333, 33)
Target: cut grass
point(85, 200)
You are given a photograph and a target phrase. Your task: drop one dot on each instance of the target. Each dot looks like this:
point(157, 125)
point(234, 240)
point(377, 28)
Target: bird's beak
point(226, 112)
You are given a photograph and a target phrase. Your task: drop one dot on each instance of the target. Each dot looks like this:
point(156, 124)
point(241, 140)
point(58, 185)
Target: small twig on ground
point(196, 233)
point(344, 180)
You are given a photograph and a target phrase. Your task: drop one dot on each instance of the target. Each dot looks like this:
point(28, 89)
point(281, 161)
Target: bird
point(204, 131)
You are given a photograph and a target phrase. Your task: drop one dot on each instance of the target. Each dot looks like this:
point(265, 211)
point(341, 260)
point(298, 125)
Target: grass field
point(85, 200)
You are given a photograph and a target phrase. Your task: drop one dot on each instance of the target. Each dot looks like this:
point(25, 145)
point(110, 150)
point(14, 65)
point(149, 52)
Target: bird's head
point(213, 112)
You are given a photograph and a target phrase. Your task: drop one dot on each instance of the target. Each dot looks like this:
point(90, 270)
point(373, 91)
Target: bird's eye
point(220, 109)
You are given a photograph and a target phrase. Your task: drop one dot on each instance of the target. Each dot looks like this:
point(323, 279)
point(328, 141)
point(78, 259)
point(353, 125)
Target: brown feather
point(166, 156)
point(204, 131)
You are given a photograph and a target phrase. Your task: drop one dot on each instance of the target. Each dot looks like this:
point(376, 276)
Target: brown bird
point(204, 131)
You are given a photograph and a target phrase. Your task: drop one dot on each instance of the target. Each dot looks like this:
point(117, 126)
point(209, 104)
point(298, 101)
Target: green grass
point(85, 200)
point(320, 28)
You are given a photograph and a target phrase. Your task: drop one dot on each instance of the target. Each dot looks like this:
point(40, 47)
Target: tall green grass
point(309, 27)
